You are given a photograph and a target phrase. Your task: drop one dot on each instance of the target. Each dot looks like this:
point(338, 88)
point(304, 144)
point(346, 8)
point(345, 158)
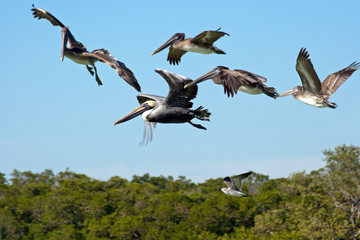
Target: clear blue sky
point(53, 115)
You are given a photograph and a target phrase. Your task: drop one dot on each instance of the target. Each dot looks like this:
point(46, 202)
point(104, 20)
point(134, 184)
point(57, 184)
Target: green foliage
point(321, 205)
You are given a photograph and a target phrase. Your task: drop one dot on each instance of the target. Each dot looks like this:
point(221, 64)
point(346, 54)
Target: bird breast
point(250, 90)
point(311, 99)
point(81, 59)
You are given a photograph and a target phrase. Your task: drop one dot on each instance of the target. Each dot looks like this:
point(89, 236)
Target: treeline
point(323, 204)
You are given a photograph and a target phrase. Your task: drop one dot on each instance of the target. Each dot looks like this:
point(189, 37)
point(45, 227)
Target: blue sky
point(53, 115)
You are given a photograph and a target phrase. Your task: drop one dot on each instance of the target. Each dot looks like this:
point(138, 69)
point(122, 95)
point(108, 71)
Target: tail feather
point(202, 114)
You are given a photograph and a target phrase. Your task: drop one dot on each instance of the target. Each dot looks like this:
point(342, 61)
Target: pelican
point(175, 108)
point(202, 43)
point(312, 91)
point(234, 185)
point(77, 52)
point(237, 80)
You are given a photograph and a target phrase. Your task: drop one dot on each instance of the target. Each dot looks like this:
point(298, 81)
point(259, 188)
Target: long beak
point(65, 37)
point(213, 73)
point(287, 93)
point(136, 112)
point(166, 44)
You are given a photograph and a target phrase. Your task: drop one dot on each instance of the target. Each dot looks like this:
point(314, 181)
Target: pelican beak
point(136, 112)
point(64, 36)
point(287, 93)
point(166, 44)
point(206, 76)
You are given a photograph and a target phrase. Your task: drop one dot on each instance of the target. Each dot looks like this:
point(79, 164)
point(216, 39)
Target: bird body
point(234, 185)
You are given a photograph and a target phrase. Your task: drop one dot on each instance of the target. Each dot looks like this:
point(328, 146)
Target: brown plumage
point(202, 43)
point(237, 80)
point(78, 53)
point(312, 91)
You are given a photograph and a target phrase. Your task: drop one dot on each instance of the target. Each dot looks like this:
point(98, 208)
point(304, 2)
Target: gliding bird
point(312, 91)
point(175, 108)
point(237, 80)
point(77, 52)
point(202, 43)
point(234, 185)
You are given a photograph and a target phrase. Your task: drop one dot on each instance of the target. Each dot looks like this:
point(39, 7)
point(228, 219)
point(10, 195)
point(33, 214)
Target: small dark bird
point(234, 185)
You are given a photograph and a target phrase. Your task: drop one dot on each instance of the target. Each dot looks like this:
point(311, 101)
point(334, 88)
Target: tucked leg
point(97, 77)
point(90, 70)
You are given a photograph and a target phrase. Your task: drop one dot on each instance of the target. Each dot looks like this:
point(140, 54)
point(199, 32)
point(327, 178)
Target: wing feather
point(41, 13)
point(236, 180)
point(174, 56)
point(334, 80)
point(124, 72)
point(208, 37)
point(308, 76)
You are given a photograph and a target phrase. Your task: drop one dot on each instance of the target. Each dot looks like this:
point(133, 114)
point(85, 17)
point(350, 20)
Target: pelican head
point(213, 73)
point(295, 90)
point(144, 109)
point(174, 38)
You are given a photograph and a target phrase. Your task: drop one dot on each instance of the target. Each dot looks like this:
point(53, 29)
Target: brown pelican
point(237, 80)
point(202, 43)
point(234, 185)
point(175, 108)
point(312, 91)
point(77, 52)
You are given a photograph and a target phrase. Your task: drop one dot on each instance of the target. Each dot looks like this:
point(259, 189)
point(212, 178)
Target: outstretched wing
point(227, 181)
point(236, 181)
point(334, 80)
point(178, 96)
point(124, 72)
point(41, 13)
point(208, 37)
point(305, 69)
point(174, 56)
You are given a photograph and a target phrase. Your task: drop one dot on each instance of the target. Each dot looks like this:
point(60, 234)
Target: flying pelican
point(202, 43)
point(175, 108)
point(312, 91)
point(234, 185)
point(237, 80)
point(77, 52)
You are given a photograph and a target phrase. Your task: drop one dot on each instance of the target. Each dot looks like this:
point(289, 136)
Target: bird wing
point(145, 97)
point(178, 96)
point(208, 37)
point(334, 80)
point(233, 79)
point(308, 76)
point(174, 56)
point(251, 77)
point(227, 181)
point(236, 181)
point(124, 72)
point(41, 13)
